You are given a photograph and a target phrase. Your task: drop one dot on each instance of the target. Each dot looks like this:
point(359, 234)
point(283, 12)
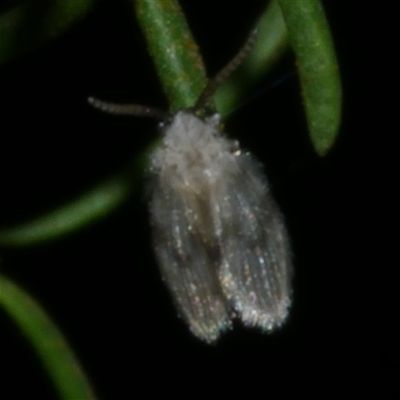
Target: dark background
point(101, 285)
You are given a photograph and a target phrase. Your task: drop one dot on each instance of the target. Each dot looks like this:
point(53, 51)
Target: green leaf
point(48, 342)
point(33, 23)
point(270, 45)
point(173, 50)
point(90, 207)
point(312, 43)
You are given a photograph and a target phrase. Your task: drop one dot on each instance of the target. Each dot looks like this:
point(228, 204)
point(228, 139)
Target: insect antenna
point(128, 109)
point(213, 84)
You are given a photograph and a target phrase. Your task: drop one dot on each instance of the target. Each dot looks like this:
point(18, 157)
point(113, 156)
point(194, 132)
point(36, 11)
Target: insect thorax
point(194, 152)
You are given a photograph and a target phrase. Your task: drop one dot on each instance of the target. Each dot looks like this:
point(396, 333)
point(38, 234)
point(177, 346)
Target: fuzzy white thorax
point(194, 150)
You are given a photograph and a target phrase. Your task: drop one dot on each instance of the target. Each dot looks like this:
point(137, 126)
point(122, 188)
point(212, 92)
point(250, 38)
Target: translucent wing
point(219, 237)
point(255, 270)
point(188, 260)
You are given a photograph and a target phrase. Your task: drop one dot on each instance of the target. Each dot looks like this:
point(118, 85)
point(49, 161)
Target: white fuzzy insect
point(219, 236)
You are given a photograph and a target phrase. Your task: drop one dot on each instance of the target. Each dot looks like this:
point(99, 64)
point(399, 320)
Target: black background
point(101, 285)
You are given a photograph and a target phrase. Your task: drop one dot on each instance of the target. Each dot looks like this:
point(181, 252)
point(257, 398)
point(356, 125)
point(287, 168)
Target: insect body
point(219, 236)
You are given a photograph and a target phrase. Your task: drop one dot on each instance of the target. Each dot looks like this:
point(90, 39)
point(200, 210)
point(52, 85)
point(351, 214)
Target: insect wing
point(255, 270)
point(188, 263)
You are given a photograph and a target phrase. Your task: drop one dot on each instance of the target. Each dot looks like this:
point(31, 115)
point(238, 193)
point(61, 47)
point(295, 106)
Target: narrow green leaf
point(33, 23)
point(173, 50)
point(50, 345)
point(312, 43)
point(92, 206)
point(271, 43)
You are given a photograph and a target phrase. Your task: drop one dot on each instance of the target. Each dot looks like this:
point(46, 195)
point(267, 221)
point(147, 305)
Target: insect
point(219, 237)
